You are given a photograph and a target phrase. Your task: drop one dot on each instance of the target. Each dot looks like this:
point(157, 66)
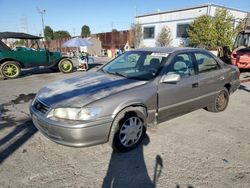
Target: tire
point(65, 66)
point(128, 129)
point(220, 102)
point(10, 69)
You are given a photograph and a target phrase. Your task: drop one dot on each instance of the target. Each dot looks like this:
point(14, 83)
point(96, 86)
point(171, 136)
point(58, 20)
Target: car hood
point(82, 90)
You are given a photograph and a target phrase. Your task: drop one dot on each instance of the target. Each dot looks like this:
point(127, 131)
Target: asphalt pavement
point(200, 149)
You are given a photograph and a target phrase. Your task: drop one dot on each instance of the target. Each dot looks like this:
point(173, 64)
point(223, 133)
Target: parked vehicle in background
point(13, 60)
point(241, 50)
point(138, 89)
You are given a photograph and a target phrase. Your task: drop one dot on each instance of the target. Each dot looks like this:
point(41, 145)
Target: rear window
point(206, 62)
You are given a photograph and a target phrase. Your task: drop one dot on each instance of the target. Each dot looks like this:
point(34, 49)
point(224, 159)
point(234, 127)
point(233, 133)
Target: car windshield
point(242, 40)
point(141, 65)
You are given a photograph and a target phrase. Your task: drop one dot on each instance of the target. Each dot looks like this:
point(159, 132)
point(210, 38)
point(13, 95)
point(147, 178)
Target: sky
point(99, 15)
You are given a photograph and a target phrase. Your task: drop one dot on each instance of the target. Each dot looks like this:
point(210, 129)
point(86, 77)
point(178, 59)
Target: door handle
point(194, 85)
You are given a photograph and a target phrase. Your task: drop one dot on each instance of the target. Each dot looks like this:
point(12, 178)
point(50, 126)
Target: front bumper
point(80, 135)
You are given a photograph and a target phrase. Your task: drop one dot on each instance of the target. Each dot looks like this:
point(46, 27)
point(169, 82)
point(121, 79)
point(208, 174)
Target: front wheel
point(10, 69)
point(65, 66)
point(220, 102)
point(128, 131)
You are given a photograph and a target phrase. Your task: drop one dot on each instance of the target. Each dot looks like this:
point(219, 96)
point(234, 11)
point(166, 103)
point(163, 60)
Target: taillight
point(234, 55)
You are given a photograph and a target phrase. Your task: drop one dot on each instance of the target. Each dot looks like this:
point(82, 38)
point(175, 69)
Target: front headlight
point(75, 113)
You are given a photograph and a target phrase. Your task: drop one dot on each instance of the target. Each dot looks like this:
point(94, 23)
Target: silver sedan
point(139, 89)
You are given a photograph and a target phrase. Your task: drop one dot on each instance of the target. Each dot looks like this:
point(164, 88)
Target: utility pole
point(42, 12)
point(112, 26)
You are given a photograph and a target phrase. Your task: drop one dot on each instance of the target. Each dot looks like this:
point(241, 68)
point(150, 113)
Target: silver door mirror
point(171, 78)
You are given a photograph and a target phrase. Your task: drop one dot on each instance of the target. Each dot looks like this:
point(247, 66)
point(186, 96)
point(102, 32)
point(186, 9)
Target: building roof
point(190, 8)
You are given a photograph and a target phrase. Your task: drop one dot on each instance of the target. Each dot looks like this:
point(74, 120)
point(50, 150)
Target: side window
point(182, 65)
point(182, 30)
point(149, 32)
point(205, 62)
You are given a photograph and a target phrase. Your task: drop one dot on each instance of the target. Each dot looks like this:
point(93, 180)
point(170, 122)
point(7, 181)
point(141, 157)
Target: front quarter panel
point(145, 95)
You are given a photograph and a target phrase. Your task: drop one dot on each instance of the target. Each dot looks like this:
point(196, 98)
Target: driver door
point(178, 98)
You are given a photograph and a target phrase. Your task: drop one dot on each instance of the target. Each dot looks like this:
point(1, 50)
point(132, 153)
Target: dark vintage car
point(138, 89)
point(13, 60)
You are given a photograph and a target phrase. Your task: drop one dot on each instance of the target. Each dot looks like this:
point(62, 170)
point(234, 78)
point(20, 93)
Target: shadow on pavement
point(16, 138)
point(189, 186)
point(129, 169)
point(8, 119)
point(244, 88)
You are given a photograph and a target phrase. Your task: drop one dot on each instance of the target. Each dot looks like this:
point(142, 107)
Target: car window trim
point(211, 55)
point(170, 60)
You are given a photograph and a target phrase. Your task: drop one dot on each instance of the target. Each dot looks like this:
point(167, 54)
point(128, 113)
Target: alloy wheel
point(131, 131)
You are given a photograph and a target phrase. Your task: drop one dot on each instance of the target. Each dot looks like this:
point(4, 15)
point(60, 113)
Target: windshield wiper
point(121, 74)
point(115, 73)
point(102, 70)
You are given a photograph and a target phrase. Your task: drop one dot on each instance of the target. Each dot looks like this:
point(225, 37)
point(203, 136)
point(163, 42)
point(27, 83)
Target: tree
point(212, 32)
point(114, 30)
point(85, 31)
point(135, 35)
point(223, 24)
point(202, 33)
point(61, 34)
point(20, 42)
point(164, 38)
point(48, 33)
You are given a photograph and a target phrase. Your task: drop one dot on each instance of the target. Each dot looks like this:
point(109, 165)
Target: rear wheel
point(221, 101)
point(128, 130)
point(65, 66)
point(10, 69)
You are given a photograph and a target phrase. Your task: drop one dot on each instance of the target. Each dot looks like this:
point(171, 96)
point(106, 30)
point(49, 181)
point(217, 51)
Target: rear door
point(175, 99)
point(210, 77)
point(32, 58)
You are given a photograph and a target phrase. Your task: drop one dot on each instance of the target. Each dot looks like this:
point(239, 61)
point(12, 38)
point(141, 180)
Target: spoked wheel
point(220, 102)
point(128, 131)
point(65, 66)
point(131, 131)
point(10, 69)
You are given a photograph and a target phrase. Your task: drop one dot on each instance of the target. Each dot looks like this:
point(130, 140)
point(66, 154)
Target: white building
point(178, 21)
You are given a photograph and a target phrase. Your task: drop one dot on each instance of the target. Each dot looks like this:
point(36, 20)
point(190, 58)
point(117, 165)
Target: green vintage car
point(13, 60)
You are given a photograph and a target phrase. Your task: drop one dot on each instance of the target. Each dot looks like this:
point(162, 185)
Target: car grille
point(41, 107)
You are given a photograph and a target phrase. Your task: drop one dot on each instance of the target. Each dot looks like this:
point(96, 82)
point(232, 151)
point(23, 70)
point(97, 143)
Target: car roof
point(16, 35)
point(166, 49)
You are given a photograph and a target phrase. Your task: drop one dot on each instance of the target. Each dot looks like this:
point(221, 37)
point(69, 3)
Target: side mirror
point(171, 78)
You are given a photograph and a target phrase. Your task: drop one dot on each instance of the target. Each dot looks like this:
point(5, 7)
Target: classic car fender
point(11, 59)
point(55, 62)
